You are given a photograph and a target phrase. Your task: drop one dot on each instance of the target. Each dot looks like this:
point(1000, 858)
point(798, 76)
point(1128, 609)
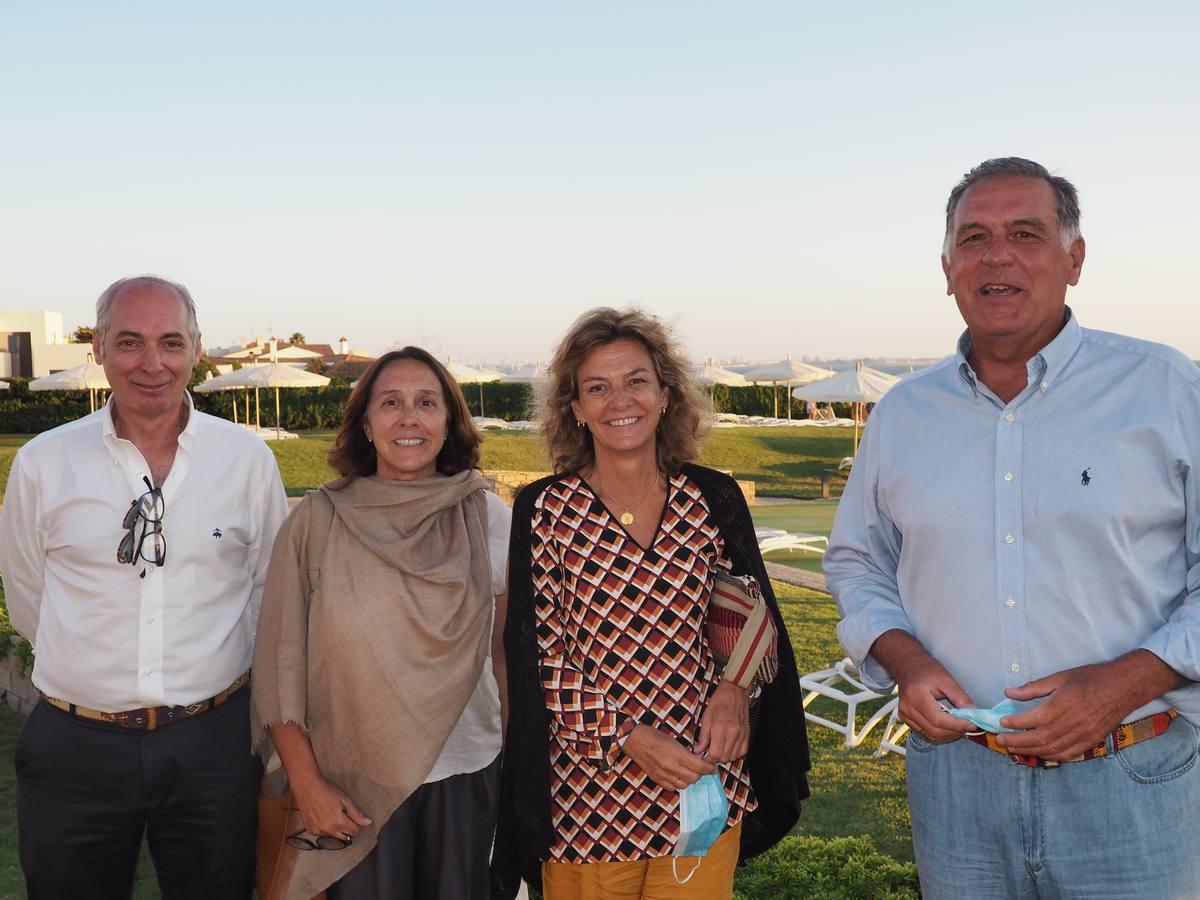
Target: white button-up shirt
point(114, 636)
point(1019, 539)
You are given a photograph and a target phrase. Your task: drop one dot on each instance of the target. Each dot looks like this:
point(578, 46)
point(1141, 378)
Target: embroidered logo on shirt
point(217, 533)
point(1085, 477)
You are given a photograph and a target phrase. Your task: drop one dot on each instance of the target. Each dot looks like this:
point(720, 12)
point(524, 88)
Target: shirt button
point(1044, 385)
point(1008, 476)
point(1011, 601)
point(148, 672)
point(1008, 417)
point(150, 620)
point(1016, 667)
point(1008, 539)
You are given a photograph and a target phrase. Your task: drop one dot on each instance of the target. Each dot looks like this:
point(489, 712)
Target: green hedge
point(320, 409)
point(815, 868)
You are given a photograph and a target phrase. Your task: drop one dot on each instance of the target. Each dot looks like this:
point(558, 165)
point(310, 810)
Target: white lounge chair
point(770, 539)
point(841, 684)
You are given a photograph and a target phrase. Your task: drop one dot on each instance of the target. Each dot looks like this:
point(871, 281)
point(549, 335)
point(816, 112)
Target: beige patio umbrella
point(275, 375)
point(465, 374)
point(858, 385)
point(87, 377)
point(791, 371)
point(709, 374)
point(3, 385)
point(224, 382)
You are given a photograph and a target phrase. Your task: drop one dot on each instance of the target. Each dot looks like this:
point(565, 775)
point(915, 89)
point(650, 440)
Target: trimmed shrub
point(816, 868)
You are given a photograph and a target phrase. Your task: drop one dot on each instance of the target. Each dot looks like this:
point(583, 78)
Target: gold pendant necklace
point(626, 516)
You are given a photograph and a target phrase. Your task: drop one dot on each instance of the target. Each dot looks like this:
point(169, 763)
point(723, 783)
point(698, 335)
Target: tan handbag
point(277, 815)
point(277, 818)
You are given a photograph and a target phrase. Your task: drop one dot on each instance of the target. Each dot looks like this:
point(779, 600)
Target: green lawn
point(783, 462)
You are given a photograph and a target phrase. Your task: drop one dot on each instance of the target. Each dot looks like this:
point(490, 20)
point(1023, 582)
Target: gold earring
point(579, 423)
point(663, 411)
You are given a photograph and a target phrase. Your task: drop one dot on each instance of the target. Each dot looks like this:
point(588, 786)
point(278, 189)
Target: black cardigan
point(778, 757)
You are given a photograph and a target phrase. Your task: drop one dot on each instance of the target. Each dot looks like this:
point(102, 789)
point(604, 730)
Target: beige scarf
point(379, 666)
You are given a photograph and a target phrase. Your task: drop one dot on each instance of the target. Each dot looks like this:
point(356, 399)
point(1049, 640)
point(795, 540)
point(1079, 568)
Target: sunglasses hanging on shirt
point(143, 538)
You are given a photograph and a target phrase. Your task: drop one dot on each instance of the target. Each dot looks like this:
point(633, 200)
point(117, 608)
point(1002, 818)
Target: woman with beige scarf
point(377, 657)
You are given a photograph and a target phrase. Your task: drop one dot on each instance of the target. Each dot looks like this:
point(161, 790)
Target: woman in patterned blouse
point(611, 566)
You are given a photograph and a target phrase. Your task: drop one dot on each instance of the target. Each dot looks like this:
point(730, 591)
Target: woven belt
point(153, 717)
point(1123, 736)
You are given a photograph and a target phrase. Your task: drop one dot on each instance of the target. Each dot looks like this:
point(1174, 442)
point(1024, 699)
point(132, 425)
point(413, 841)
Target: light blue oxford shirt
point(1017, 540)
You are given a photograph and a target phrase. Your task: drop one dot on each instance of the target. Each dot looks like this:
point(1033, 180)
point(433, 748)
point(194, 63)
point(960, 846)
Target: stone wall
point(16, 689)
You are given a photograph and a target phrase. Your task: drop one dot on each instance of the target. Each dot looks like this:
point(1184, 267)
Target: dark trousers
point(88, 791)
point(436, 846)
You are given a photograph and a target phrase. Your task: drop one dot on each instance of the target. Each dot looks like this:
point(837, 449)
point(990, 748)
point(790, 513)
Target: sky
point(768, 176)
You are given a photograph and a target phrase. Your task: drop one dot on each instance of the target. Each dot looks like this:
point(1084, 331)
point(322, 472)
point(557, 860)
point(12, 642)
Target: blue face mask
point(989, 719)
point(703, 811)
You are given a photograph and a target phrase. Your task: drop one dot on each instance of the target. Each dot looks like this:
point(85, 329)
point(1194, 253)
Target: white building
point(34, 343)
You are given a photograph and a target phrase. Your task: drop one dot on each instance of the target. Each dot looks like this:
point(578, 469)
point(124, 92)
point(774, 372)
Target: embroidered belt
point(1123, 736)
point(153, 717)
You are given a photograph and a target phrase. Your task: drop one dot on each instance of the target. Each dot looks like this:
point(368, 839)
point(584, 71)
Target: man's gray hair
point(104, 304)
point(1067, 198)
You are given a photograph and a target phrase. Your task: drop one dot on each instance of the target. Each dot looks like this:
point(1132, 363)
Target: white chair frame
point(841, 683)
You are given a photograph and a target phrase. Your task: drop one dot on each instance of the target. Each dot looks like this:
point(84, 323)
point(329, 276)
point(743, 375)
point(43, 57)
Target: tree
point(297, 338)
point(82, 335)
point(200, 371)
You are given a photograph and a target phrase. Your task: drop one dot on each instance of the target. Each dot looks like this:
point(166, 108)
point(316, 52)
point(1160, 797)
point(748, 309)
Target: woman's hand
point(327, 809)
point(725, 725)
point(664, 759)
point(324, 807)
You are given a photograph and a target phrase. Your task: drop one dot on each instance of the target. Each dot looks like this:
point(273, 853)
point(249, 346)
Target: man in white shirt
point(134, 545)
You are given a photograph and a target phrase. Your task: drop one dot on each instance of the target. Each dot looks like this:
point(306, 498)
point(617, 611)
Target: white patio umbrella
point(858, 385)
point(531, 372)
point(709, 374)
point(3, 385)
point(87, 377)
point(225, 382)
point(790, 371)
point(465, 374)
point(275, 375)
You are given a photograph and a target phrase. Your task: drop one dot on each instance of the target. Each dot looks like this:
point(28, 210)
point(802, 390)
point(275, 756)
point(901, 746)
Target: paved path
point(814, 581)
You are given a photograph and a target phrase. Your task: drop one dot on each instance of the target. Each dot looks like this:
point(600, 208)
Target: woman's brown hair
point(680, 429)
point(353, 455)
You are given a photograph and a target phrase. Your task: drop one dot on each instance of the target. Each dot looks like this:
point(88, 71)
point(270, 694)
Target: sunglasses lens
point(132, 516)
point(300, 843)
point(125, 549)
point(329, 842)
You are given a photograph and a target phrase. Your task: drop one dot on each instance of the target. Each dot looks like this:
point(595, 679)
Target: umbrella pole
point(277, 429)
point(789, 400)
point(775, 396)
point(855, 414)
point(235, 409)
point(481, 399)
point(247, 416)
point(257, 412)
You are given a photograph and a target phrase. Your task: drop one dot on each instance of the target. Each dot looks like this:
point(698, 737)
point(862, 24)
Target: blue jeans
point(1123, 825)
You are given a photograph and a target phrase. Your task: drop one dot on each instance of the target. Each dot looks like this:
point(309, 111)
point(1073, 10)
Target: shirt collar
point(1045, 365)
point(185, 437)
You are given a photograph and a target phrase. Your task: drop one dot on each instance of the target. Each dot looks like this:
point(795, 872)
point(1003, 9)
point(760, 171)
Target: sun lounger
point(840, 684)
point(770, 539)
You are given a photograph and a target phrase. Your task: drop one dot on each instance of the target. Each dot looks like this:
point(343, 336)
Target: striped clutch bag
point(740, 631)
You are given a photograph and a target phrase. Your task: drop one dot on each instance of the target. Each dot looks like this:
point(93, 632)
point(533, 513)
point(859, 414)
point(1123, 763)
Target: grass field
point(783, 462)
point(852, 792)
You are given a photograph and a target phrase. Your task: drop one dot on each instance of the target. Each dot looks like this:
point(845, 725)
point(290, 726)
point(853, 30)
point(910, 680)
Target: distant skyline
point(770, 177)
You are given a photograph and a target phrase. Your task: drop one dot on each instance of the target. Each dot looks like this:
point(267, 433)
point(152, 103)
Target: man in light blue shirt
point(1023, 522)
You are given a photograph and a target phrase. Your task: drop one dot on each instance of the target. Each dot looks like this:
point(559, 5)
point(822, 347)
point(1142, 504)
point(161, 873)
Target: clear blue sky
point(472, 176)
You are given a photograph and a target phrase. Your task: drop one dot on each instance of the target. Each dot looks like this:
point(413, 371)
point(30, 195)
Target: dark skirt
point(436, 846)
